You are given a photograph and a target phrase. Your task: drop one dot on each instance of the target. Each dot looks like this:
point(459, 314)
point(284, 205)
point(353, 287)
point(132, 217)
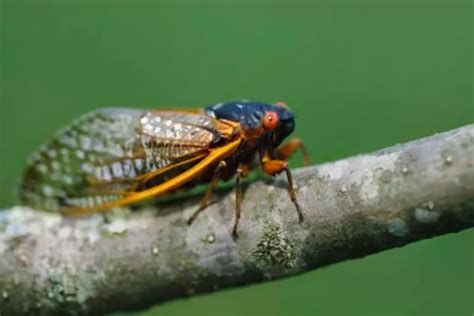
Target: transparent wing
point(110, 153)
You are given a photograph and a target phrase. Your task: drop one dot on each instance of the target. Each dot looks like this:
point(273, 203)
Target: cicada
point(117, 156)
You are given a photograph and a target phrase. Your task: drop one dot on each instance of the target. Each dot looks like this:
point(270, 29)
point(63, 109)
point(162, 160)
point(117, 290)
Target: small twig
point(353, 207)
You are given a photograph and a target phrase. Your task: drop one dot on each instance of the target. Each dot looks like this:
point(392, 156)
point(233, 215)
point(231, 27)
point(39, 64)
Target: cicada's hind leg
point(275, 166)
point(207, 198)
point(289, 148)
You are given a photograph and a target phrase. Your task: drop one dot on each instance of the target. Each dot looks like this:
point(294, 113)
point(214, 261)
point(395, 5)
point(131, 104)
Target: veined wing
point(107, 154)
point(215, 155)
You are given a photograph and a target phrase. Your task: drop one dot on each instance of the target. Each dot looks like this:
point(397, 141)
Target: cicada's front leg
point(289, 148)
point(275, 166)
point(286, 150)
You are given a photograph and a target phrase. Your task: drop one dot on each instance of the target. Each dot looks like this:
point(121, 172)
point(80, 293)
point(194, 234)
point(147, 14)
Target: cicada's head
point(267, 122)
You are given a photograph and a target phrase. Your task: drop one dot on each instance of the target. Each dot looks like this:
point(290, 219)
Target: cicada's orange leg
point(207, 198)
point(289, 148)
point(275, 166)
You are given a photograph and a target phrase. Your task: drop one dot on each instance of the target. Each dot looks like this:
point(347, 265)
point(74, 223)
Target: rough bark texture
point(353, 207)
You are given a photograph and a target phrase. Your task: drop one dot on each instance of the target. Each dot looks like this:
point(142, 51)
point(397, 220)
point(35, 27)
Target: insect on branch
point(353, 207)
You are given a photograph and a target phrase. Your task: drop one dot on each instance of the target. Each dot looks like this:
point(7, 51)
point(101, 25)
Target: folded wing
point(111, 154)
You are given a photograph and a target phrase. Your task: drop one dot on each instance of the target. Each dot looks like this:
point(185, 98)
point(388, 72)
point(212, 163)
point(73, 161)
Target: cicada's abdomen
point(109, 153)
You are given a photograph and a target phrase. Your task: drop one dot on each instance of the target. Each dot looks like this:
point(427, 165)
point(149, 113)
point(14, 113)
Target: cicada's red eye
point(270, 120)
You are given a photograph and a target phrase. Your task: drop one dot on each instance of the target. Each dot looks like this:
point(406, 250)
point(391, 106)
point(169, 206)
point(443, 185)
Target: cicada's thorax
point(246, 155)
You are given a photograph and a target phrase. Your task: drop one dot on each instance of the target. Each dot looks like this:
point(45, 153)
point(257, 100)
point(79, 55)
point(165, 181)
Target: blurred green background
point(361, 75)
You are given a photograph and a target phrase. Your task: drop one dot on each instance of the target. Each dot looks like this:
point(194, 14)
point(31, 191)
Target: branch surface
point(353, 207)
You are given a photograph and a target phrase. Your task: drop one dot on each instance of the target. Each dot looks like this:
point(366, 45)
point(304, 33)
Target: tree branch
point(353, 207)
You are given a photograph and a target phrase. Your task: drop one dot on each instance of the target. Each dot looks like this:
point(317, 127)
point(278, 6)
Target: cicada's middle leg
point(242, 171)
